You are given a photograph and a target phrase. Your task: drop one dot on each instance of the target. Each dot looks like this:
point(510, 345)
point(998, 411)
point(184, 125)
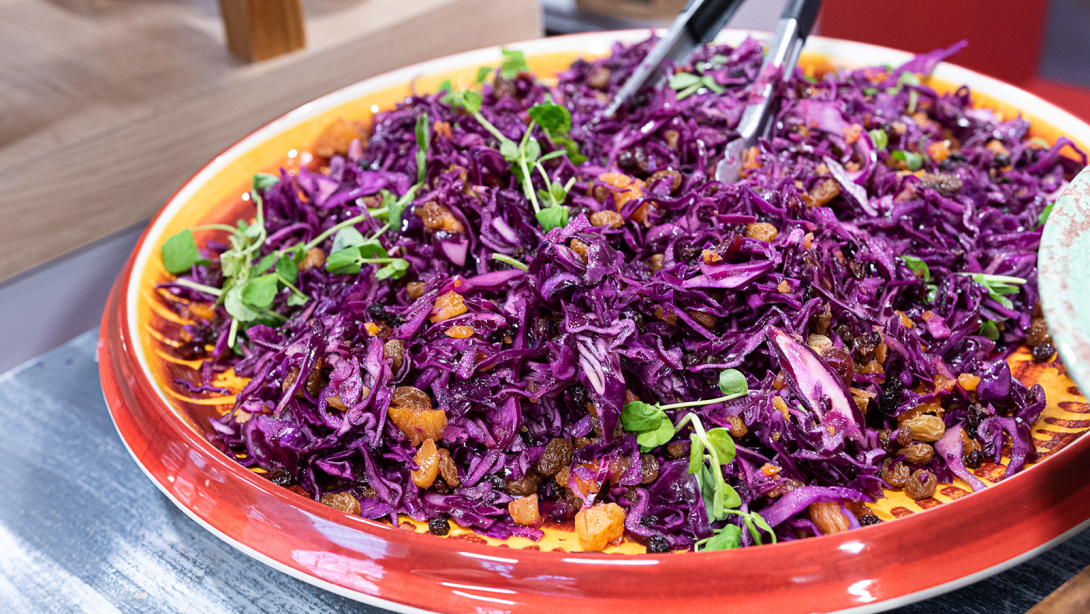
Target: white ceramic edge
point(378, 602)
point(595, 43)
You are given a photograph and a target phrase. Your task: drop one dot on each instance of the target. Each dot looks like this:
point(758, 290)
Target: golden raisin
point(828, 518)
point(448, 469)
point(524, 511)
point(823, 192)
point(819, 343)
point(706, 320)
point(896, 475)
point(921, 484)
point(580, 248)
point(557, 455)
point(427, 459)
point(918, 453)
point(448, 306)
point(563, 477)
point(606, 218)
point(336, 403)
point(649, 469)
point(415, 289)
point(925, 427)
point(523, 487)
point(438, 217)
point(675, 179)
point(1038, 333)
point(342, 501)
point(670, 318)
point(599, 78)
point(394, 349)
point(599, 525)
point(337, 136)
point(656, 262)
point(761, 231)
point(671, 137)
point(314, 259)
point(737, 427)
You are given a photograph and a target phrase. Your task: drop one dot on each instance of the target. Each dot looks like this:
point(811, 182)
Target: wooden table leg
point(261, 29)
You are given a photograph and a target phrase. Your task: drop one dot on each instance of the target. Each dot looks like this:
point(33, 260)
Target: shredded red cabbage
point(836, 277)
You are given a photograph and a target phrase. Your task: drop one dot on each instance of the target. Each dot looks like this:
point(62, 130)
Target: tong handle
point(708, 17)
point(804, 12)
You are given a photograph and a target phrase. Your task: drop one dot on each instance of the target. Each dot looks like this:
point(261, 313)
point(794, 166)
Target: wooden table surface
point(107, 106)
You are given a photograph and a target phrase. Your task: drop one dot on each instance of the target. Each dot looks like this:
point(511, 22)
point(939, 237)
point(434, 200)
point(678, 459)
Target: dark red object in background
point(1004, 37)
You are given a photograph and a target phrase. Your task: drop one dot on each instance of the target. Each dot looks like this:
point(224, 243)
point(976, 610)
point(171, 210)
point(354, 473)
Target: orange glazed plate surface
point(960, 538)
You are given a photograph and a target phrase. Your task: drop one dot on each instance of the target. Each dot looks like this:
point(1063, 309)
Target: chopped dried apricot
point(410, 409)
point(524, 511)
point(938, 151)
point(629, 188)
point(371, 328)
point(337, 136)
point(783, 287)
point(710, 256)
point(905, 320)
point(427, 459)
point(448, 306)
point(968, 381)
point(599, 525)
point(852, 132)
point(459, 332)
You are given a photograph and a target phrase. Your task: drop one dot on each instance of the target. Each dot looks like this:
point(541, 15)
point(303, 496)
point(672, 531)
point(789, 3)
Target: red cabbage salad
point(498, 307)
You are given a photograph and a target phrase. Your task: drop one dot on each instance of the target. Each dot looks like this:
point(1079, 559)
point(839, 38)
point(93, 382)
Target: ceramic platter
point(924, 548)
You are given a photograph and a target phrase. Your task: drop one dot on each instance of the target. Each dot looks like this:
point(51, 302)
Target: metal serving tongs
point(697, 24)
point(783, 53)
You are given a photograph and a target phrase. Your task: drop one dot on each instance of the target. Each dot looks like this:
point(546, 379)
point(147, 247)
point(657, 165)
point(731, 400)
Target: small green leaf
point(763, 524)
point(371, 248)
point(514, 62)
point(709, 82)
point(719, 439)
point(396, 269)
point(423, 136)
point(689, 91)
point(472, 101)
point(553, 217)
point(264, 181)
point(989, 329)
point(908, 78)
point(732, 382)
point(869, 91)
point(727, 538)
point(482, 73)
point(919, 268)
point(231, 262)
point(554, 118)
point(347, 237)
point(286, 269)
point(662, 435)
point(296, 300)
point(299, 253)
point(445, 86)
point(511, 261)
point(696, 454)
point(259, 291)
point(510, 151)
point(265, 263)
point(683, 80)
point(932, 292)
point(1041, 219)
point(343, 262)
point(914, 161)
point(913, 98)
point(559, 194)
point(236, 307)
point(180, 252)
point(880, 138)
point(639, 416)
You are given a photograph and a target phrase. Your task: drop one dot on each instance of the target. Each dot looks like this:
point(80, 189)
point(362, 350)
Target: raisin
point(890, 399)
point(578, 395)
point(498, 483)
point(896, 475)
point(687, 253)
point(868, 519)
point(599, 78)
point(626, 160)
point(887, 440)
point(1001, 160)
point(1038, 332)
point(438, 526)
point(1043, 352)
point(904, 435)
point(394, 349)
point(649, 469)
point(523, 487)
point(918, 453)
point(974, 459)
point(280, 477)
point(558, 454)
point(921, 484)
point(658, 544)
point(737, 428)
point(649, 520)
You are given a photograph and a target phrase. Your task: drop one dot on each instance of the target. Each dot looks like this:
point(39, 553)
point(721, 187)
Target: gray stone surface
point(83, 530)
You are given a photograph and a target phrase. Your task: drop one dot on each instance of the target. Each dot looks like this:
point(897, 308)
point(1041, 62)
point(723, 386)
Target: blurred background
point(107, 106)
